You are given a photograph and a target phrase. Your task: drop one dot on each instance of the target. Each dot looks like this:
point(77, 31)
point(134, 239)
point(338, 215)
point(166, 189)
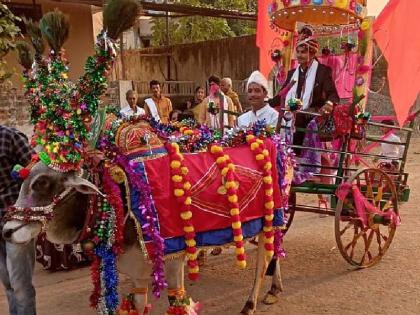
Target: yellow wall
point(81, 40)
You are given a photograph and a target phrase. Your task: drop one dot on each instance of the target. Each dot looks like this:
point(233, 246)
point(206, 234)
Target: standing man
point(16, 260)
point(211, 109)
point(226, 87)
point(257, 89)
point(132, 109)
point(158, 106)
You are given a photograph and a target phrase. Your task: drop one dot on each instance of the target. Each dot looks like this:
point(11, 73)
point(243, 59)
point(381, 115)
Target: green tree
point(197, 28)
point(8, 32)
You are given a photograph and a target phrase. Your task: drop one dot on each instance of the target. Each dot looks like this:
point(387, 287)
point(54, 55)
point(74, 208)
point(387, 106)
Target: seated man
point(257, 88)
point(315, 86)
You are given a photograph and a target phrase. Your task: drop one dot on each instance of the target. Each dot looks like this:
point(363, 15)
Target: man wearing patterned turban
point(311, 82)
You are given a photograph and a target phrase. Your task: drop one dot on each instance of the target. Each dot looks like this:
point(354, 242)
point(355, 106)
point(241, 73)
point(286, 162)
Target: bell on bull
point(119, 218)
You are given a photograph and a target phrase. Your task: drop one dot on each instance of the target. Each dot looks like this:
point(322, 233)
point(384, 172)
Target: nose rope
point(35, 214)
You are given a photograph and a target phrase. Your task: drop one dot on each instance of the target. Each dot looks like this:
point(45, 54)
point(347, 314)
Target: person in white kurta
point(132, 109)
point(392, 151)
point(257, 89)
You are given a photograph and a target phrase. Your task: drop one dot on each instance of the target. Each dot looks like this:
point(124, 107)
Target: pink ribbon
point(363, 206)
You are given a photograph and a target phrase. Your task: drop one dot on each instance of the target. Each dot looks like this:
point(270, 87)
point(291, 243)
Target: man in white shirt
point(132, 109)
point(257, 89)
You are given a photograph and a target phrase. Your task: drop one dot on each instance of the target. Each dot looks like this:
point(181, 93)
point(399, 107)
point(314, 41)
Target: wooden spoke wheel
point(364, 242)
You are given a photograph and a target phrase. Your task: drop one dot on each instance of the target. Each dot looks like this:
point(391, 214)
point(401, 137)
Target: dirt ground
point(317, 279)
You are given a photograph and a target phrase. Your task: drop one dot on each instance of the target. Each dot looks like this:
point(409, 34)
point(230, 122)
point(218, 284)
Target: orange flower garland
point(182, 192)
point(262, 157)
point(227, 169)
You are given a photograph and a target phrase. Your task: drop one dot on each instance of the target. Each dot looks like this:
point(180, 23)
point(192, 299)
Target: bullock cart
point(341, 164)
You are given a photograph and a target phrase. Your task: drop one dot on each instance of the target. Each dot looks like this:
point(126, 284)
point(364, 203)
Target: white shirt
point(267, 112)
point(392, 150)
point(127, 112)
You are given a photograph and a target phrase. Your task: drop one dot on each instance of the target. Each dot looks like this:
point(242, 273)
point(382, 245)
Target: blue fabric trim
point(223, 236)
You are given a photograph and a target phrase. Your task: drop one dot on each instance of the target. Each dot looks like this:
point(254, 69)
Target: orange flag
point(396, 32)
point(265, 37)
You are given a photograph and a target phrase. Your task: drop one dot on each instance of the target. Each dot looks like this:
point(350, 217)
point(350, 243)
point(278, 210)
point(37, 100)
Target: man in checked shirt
point(16, 260)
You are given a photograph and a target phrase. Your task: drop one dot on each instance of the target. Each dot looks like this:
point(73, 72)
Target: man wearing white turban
point(257, 88)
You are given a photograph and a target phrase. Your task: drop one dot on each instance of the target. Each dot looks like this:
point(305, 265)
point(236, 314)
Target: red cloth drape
point(396, 32)
point(265, 37)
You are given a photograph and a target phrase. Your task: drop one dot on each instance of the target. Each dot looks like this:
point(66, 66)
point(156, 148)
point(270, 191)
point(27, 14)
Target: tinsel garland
point(57, 126)
point(108, 301)
point(113, 193)
point(285, 158)
point(262, 156)
point(227, 170)
point(279, 251)
point(192, 137)
point(94, 81)
point(61, 111)
point(181, 191)
point(108, 239)
point(146, 210)
point(96, 280)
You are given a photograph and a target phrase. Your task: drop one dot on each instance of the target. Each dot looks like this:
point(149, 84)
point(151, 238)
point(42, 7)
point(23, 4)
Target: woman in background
point(196, 103)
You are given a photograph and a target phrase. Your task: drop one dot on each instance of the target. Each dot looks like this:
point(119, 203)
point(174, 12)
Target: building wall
point(234, 57)
point(81, 39)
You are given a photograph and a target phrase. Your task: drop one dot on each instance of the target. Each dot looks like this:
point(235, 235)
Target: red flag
point(265, 37)
point(396, 32)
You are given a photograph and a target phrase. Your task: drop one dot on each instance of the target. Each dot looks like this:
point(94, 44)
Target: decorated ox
point(154, 194)
point(66, 204)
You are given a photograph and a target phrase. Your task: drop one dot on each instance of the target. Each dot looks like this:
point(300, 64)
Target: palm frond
point(55, 29)
point(25, 54)
point(119, 16)
point(34, 32)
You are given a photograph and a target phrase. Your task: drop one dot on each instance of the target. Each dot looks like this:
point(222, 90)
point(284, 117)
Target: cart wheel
point(364, 246)
point(290, 212)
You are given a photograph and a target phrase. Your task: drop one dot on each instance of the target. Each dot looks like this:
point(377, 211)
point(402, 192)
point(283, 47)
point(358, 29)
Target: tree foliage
point(8, 32)
point(198, 28)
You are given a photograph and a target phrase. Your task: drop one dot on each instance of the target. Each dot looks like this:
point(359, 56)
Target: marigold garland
point(179, 176)
point(262, 156)
point(227, 170)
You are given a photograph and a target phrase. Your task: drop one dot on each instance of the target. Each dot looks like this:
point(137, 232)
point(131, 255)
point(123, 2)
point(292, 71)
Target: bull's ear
point(82, 185)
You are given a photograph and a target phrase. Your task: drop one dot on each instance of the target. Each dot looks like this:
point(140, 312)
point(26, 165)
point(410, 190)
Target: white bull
point(39, 192)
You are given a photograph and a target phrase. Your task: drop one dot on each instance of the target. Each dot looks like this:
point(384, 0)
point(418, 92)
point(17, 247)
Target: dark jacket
point(324, 88)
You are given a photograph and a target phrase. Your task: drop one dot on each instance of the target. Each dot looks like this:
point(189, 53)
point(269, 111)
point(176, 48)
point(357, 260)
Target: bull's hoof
point(249, 308)
point(270, 299)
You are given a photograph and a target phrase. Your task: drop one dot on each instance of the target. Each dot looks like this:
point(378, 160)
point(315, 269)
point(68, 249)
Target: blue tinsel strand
point(109, 277)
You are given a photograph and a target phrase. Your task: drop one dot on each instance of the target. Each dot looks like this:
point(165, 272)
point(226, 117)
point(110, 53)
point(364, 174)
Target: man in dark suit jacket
point(317, 89)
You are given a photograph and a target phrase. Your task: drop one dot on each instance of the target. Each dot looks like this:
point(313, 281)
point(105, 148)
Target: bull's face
point(39, 192)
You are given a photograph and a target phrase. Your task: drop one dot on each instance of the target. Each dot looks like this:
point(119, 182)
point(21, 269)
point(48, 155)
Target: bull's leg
point(133, 264)
point(177, 296)
point(174, 271)
point(251, 304)
point(276, 285)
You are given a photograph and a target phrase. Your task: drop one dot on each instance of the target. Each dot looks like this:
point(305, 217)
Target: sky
point(376, 6)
